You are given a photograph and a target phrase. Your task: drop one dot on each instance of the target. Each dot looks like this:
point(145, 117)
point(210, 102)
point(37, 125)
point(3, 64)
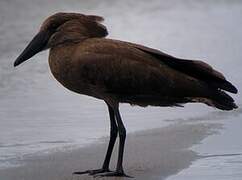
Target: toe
point(113, 174)
point(92, 172)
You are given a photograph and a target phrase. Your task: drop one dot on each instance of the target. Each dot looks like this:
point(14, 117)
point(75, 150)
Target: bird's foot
point(113, 174)
point(93, 172)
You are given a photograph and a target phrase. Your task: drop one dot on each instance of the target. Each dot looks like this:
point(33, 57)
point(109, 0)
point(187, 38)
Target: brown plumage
point(86, 62)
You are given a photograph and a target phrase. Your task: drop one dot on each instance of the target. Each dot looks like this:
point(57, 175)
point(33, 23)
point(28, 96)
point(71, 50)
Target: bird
point(85, 61)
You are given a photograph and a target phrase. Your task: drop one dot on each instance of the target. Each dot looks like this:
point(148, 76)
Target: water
point(39, 116)
point(221, 154)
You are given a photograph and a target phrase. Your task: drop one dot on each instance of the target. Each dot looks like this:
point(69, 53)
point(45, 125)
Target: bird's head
point(62, 28)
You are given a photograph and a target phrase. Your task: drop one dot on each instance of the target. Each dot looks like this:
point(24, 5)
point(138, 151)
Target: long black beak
point(37, 44)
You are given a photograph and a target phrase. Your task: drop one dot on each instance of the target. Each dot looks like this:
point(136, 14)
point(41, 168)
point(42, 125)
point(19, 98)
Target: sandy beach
point(152, 154)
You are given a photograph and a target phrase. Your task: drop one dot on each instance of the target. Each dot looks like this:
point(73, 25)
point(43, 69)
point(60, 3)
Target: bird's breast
point(66, 69)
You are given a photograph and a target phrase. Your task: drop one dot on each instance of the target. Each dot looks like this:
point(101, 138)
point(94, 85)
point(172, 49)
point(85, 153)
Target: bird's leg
point(122, 136)
point(113, 136)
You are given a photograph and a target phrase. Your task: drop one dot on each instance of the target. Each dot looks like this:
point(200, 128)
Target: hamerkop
point(86, 62)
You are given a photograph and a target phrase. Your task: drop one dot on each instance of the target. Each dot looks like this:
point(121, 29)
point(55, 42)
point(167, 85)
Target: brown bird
point(86, 62)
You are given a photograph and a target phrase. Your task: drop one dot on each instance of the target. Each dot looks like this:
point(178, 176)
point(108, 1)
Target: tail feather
point(223, 101)
point(218, 99)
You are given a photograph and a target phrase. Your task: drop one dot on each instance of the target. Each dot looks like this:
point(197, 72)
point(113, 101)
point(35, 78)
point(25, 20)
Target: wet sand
point(152, 154)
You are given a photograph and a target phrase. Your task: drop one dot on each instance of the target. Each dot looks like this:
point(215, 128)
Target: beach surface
point(152, 154)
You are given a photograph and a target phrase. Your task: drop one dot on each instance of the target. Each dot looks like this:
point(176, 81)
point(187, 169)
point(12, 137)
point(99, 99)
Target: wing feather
point(196, 69)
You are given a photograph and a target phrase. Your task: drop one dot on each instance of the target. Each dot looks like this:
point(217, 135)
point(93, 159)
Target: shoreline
point(149, 154)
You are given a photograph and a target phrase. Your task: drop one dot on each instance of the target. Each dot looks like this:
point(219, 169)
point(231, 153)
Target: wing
point(128, 72)
point(197, 69)
point(193, 68)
